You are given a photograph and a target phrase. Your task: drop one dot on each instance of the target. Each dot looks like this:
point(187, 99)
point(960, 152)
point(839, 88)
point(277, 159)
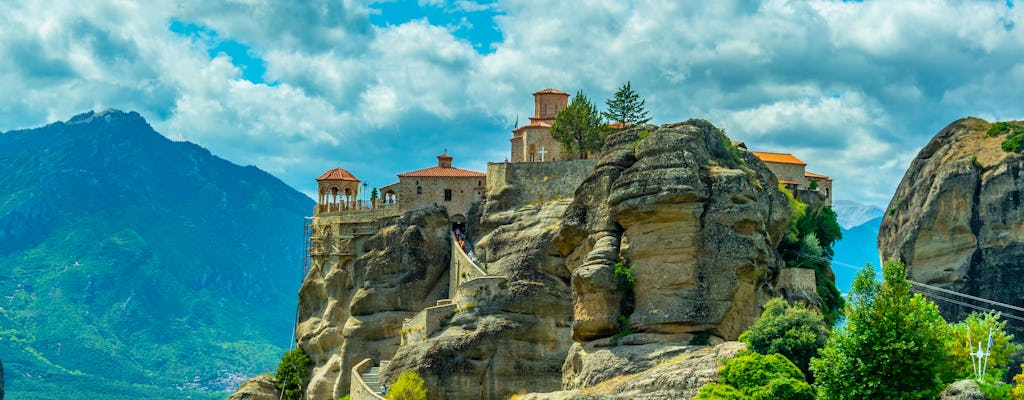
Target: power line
point(967, 296)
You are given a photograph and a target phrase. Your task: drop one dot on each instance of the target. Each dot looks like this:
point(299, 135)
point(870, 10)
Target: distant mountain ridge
point(851, 213)
point(132, 266)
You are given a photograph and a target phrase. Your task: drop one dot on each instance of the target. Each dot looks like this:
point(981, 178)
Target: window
point(447, 195)
point(419, 190)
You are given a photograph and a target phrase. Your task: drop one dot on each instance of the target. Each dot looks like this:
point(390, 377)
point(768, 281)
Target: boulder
point(957, 220)
point(260, 387)
point(966, 389)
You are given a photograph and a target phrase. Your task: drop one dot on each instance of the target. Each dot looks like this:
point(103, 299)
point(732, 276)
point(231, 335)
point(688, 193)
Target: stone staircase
point(372, 378)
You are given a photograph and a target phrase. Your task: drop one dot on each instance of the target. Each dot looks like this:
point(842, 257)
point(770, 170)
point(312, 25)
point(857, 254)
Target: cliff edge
point(956, 219)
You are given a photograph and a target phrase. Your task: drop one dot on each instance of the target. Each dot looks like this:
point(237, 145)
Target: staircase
point(372, 378)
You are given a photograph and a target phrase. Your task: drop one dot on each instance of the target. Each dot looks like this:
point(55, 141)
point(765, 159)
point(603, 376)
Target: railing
point(358, 389)
point(358, 214)
point(426, 322)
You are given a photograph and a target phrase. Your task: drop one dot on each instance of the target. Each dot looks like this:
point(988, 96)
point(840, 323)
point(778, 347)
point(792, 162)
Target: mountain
point(858, 246)
point(132, 266)
point(851, 213)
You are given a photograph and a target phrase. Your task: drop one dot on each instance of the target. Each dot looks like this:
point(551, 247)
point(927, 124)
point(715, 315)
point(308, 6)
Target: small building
point(792, 172)
point(454, 188)
point(338, 190)
point(533, 142)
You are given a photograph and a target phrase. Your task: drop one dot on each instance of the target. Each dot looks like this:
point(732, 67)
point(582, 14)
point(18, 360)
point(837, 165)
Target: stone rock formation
point(679, 377)
point(518, 341)
point(698, 221)
point(966, 389)
point(260, 387)
point(353, 306)
point(957, 220)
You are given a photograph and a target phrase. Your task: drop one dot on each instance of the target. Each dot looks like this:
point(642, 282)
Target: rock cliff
point(260, 387)
point(957, 220)
point(697, 220)
point(352, 306)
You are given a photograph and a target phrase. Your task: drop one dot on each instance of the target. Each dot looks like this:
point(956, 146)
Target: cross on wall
point(542, 153)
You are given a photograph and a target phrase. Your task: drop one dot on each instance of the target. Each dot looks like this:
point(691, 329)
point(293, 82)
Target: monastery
point(456, 189)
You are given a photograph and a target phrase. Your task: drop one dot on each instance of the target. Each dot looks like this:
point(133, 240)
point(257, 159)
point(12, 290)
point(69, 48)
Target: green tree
point(626, 108)
point(976, 327)
point(293, 373)
point(408, 386)
point(793, 331)
point(808, 244)
point(373, 196)
point(892, 347)
point(758, 377)
point(579, 127)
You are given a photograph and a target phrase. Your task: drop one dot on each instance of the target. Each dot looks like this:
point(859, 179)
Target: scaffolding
point(307, 245)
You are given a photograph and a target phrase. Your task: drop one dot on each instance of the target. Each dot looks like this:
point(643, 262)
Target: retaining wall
point(358, 389)
point(539, 181)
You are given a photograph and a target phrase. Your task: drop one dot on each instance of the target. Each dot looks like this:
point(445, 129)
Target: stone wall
point(359, 390)
point(538, 182)
point(793, 172)
point(479, 291)
point(426, 322)
point(465, 192)
point(461, 269)
point(798, 284)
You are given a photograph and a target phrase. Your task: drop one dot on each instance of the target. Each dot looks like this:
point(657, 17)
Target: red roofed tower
point(533, 142)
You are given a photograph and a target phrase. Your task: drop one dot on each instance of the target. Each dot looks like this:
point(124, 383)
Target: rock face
point(518, 342)
point(963, 390)
point(957, 220)
point(679, 377)
point(352, 306)
point(260, 387)
point(698, 221)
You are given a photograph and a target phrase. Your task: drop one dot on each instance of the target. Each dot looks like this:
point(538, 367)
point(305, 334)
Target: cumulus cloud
point(852, 88)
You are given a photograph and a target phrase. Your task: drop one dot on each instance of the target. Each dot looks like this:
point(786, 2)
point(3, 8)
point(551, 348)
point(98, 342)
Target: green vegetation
point(758, 377)
point(579, 127)
point(625, 281)
point(700, 339)
point(1014, 133)
point(728, 155)
point(373, 195)
point(894, 345)
point(626, 108)
point(808, 244)
point(790, 330)
point(976, 328)
point(293, 373)
point(408, 386)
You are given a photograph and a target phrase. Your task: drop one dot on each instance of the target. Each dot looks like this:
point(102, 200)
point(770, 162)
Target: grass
point(1014, 133)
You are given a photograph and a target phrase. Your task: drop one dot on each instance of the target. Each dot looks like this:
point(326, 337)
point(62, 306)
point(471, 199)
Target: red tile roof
point(337, 174)
point(778, 158)
point(816, 176)
point(443, 172)
point(551, 91)
point(534, 124)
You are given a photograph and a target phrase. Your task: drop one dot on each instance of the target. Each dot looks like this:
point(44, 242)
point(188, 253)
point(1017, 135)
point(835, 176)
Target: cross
point(542, 153)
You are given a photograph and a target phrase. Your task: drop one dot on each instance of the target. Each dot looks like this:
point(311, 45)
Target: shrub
point(293, 373)
point(408, 386)
point(1014, 135)
point(751, 370)
point(792, 331)
point(784, 389)
point(717, 391)
point(976, 328)
point(892, 347)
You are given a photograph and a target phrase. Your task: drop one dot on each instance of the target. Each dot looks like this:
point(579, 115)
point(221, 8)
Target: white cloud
point(852, 88)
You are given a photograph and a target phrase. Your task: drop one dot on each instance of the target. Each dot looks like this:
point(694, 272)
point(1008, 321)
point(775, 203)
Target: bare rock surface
point(260, 387)
point(353, 306)
point(966, 389)
point(957, 221)
point(678, 377)
point(518, 341)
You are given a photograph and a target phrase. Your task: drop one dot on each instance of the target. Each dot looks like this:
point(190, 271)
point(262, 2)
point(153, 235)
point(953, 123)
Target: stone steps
point(372, 379)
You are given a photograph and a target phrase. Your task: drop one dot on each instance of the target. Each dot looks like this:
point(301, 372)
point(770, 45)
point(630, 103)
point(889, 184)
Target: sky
point(853, 88)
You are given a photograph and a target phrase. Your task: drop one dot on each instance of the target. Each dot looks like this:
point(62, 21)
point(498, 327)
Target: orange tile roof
point(443, 172)
point(534, 124)
point(778, 158)
point(818, 176)
point(337, 174)
point(551, 91)
point(788, 181)
point(618, 125)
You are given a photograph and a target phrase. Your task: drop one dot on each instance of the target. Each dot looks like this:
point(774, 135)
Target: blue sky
point(379, 88)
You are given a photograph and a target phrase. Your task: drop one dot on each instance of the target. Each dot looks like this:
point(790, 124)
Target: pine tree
point(626, 108)
point(579, 127)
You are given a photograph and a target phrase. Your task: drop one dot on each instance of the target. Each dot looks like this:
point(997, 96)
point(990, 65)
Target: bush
point(751, 370)
point(792, 331)
point(976, 328)
point(755, 376)
point(717, 391)
point(1014, 135)
point(892, 347)
point(293, 373)
point(408, 386)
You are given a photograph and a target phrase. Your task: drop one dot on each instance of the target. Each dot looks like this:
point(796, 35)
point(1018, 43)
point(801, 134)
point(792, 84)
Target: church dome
point(337, 174)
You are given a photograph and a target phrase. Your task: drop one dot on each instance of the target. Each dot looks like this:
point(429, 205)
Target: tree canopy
point(408, 386)
point(293, 373)
point(892, 347)
point(579, 127)
point(793, 331)
point(626, 108)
